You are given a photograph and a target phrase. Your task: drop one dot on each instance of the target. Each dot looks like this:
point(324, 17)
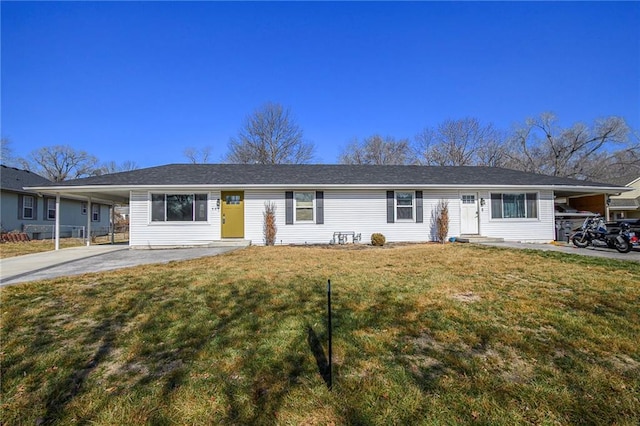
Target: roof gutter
point(110, 188)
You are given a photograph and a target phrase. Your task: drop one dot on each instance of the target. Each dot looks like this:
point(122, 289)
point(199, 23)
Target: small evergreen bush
point(378, 239)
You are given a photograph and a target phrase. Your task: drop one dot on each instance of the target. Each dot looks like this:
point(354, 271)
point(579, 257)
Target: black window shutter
point(319, 207)
point(20, 206)
point(390, 202)
point(288, 204)
point(419, 207)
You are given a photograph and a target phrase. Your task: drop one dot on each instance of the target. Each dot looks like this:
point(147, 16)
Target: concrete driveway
point(633, 255)
point(81, 260)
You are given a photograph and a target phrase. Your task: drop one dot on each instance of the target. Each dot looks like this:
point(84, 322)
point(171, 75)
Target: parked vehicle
point(592, 232)
point(625, 240)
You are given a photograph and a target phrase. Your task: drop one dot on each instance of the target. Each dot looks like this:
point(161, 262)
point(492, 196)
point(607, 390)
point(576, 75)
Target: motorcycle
point(625, 240)
point(594, 231)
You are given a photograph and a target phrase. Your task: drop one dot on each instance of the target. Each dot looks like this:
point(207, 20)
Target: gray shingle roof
point(625, 203)
point(320, 174)
point(624, 180)
point(13, 179)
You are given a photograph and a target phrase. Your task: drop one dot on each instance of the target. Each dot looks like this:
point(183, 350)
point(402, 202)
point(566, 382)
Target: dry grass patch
point(423, 334)
point(12, 249)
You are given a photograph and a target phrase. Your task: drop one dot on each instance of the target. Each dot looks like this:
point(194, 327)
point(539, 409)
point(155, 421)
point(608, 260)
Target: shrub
point(269, 227)
point(442, 221)
point(378, 239)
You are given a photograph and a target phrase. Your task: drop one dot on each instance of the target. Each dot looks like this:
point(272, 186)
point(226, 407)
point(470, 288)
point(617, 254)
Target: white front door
point(469, 213)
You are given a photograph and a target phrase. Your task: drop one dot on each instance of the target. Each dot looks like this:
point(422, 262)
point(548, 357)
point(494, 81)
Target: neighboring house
point(197, 204)
point(612, 206)
point(28, 211)
point(626, 205)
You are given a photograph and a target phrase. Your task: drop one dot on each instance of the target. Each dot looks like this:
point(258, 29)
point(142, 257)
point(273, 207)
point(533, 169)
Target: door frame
point(464, 224)
point(225, 210)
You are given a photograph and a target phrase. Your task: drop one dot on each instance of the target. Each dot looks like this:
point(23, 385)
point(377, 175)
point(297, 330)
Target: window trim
point(204, 200)
point(48, 210)
point(23, 207)
point(95, 215)
point(526, 204)
point(312, 208)
point(396, 206)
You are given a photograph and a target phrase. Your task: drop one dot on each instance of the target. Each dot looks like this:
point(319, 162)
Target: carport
point(110, 198)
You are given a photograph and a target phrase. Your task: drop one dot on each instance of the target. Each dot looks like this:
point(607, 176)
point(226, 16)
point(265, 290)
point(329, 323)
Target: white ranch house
point(203, 204)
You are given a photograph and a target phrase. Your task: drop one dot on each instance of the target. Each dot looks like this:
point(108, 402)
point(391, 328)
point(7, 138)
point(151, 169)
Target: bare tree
point(378, 151)
point(270, 136)
point(462, 142)
point(580, 151)
point(113, 167)
point(60, 162)
point(6, 157)
point(197, 155)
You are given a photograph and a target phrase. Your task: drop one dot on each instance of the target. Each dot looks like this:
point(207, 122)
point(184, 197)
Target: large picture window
point(178, 207)
point(304, 206)
point(514, 206)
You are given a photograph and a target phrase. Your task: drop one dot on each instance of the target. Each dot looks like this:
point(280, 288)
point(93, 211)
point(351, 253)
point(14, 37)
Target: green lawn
point(423, 334)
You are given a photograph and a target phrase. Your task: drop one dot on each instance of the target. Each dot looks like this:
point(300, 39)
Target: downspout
point(57, 230)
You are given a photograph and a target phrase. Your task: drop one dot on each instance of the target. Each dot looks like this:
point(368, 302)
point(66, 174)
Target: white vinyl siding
point(363, 211)
point(146, 233)
point(540, 229)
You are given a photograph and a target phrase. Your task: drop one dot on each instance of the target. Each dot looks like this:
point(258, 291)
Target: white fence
point(44, 232)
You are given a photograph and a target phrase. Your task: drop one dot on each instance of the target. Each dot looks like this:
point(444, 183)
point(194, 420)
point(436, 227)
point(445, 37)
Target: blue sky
point(141, 81)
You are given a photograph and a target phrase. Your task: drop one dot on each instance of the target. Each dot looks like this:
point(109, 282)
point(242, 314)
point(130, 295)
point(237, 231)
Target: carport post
point(57, 230)
point(113, 223)
point(89, 214)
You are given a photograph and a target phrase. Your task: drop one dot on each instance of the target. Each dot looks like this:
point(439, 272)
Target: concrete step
point(478, 239)
point(230, 242)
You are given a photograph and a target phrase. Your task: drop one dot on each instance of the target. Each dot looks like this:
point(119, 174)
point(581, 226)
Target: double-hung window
point(28, 207)
point(404, 205)
point(514, 205)
point(178, 207)
point(95, 212)
point(304, 206)
point(51, 209)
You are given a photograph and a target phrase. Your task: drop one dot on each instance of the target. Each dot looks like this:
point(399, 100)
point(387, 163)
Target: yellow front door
point(233, 214)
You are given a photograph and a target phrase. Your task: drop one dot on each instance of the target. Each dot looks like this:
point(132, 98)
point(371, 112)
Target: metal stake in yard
point(329, 329)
